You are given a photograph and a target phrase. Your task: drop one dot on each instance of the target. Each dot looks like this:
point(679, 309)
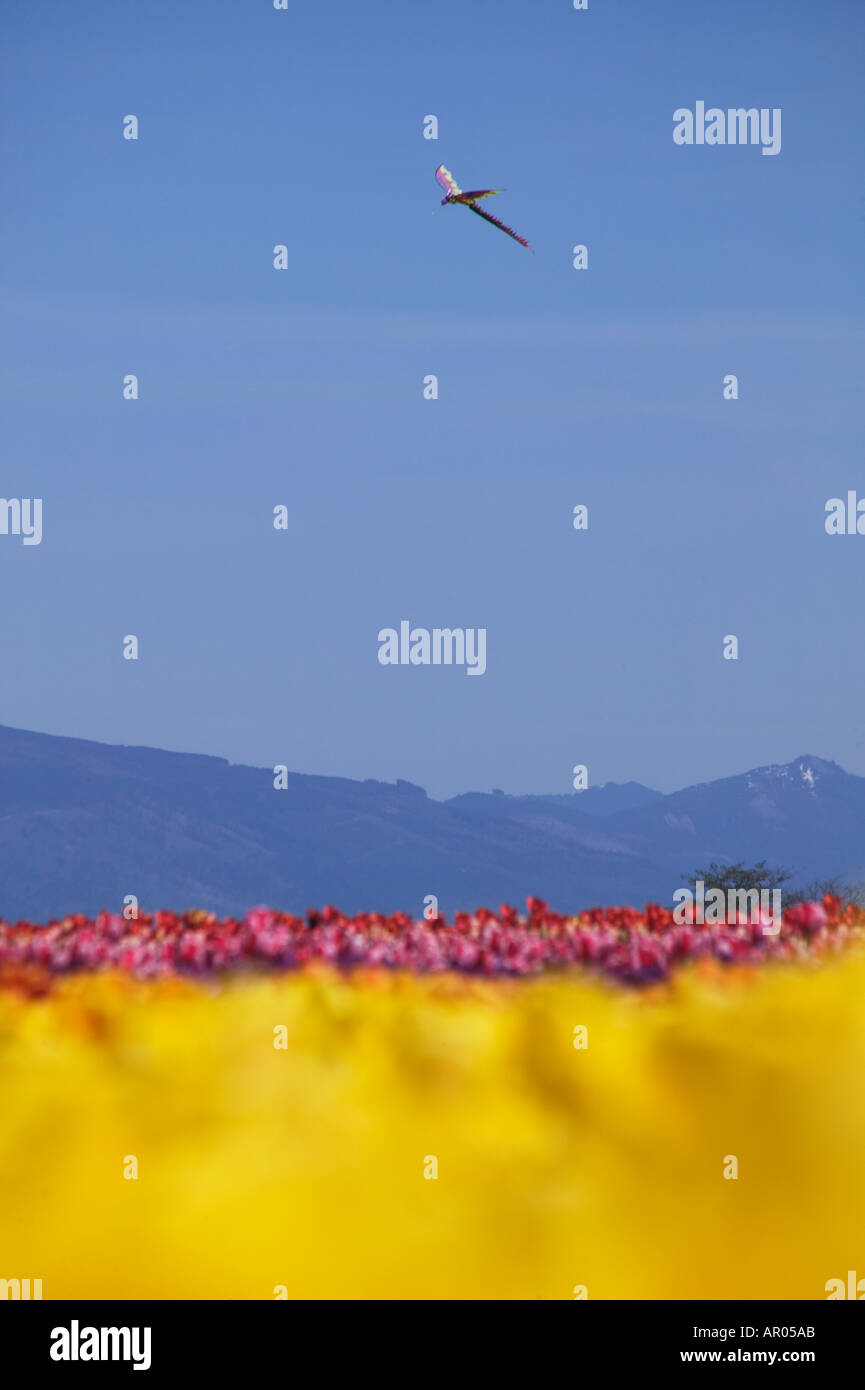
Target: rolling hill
point(83, 824)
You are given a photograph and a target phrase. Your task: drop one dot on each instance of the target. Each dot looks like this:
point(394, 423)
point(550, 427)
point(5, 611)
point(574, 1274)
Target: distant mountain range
point(84, 824)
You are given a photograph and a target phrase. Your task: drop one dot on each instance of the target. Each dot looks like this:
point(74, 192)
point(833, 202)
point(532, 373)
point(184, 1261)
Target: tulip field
point(622, 943)
point(521, 1105)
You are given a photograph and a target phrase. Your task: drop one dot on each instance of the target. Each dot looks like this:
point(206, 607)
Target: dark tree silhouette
point(742, 876)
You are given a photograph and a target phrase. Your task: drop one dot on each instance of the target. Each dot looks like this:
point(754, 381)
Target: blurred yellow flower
point(283, 1127)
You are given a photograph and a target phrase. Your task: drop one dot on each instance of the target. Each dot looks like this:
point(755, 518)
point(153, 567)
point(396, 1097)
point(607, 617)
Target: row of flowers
point(620, 942)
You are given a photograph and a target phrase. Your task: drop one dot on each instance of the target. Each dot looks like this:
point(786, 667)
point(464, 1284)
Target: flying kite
point(470, 200)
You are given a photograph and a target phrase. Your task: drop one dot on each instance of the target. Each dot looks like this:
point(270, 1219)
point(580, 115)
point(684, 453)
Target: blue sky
point(557, 387)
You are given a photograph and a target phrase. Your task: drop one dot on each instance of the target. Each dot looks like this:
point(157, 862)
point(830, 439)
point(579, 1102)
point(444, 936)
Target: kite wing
point(448, 182)
point(478, 193)
point(488, 217)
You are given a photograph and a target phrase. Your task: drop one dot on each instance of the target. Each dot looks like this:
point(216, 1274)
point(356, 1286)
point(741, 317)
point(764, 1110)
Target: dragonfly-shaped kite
point(470, 200)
